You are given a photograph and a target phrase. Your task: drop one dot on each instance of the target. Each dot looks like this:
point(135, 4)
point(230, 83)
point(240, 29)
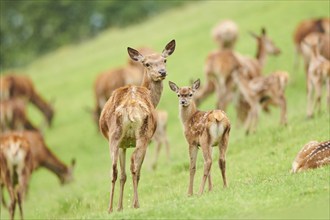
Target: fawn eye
point(190, 95)
point(147, 64)
point(178, 95)
point(165, 61)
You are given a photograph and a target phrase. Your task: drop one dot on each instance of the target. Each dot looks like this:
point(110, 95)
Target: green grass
point(260, 185)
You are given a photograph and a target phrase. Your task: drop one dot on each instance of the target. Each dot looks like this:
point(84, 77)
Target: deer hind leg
point(136, 163)
point(122, 163)
point(284, 119)
point(318, 95)
point(222, 157)
point(207, 165)
point(309, 98)
point(3, 201)
point(209, 178)
point(12, 205)
point(192, 169)
point(328, 93)
point(114, 148)
point(19, 201)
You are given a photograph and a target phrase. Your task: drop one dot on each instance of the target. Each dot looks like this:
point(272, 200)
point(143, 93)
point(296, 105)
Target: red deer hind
point(128, 119)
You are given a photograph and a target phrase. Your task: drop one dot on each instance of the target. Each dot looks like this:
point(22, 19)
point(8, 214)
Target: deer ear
point(263, 31)
point(173, 86)
point(253, 34)
point(73, 162)
point(169, 49)
point(134, 54)
point(196, 84)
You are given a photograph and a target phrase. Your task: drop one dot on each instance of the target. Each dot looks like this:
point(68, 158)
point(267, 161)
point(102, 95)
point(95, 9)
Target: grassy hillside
point(260, 185)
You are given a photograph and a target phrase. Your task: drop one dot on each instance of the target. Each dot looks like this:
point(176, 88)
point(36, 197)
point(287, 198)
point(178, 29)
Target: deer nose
point(162, 72)
point(182, 102)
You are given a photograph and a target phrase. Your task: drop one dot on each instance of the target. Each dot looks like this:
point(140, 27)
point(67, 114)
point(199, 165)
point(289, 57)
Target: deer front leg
point(159, 146)
point(192, 169)
point(122, 163)
point(207, 165)
point(136, 163)
point(3, 201)
point(309, 98)
point(114, 148)
point(318, 95)
point(282, 104)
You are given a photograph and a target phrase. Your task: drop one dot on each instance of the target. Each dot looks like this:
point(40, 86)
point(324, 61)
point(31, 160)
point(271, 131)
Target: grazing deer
point(22, 86)
point(13, 115)
point(44, 157)
point(128, 119)
point(313, 155)
point(111, 80)
point(15, 169)
point(225, 34)
point(318, 72)
point(304, 28)
point(261, 89)
point(160, 136)
point(221, 64)
point(204, 129)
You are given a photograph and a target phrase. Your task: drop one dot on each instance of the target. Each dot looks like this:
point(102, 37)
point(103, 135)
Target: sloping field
point(260, 185)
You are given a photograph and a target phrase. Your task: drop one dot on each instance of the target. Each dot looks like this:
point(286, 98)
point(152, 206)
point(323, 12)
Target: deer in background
point(204, 130)
point(269, 89)
point(306, 27)
point(225, 34)
point(22, 86)
point(313, 155)
point(317, 73)
point(13, 115)
point(111, 80)
point(128, 119)
point(160, 136)
point(15, 169)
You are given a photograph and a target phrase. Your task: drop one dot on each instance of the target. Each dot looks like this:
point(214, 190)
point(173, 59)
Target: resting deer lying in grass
point(15, 169)
point(261, 89)
point(204, 129)
point(317, 73)
point(13, 115)
point(225, 34)
point(111, 80)
point(160, 136)
point(313, 155)
point(128, 119)
point(22, 86)
point(306, 27)
point(220, 66)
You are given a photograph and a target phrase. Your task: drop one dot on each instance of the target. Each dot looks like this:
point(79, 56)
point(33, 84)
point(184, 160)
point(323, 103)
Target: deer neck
point(186, 112)
point(155, 88)
point(55, 165)
point(261, 54)
point(42, 105)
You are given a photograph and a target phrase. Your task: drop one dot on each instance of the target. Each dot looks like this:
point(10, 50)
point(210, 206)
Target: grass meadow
point(260, 184)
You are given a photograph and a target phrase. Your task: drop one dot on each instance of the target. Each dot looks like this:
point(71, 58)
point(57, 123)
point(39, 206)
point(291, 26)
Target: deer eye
point(147, 64)
point(165, 61)
point(190, 95)
point(178, 95)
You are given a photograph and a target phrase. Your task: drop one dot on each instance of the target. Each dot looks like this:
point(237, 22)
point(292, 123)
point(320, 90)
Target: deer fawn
point(15, 169)
point(204, 129)
point(314, 154)
point(22, 86)
point(128, 119)
point(261, 89)
point(318, 72)
point(13, 115)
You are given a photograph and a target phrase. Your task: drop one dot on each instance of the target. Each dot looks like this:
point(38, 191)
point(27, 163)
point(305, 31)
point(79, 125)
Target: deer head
point(266, 43)
point(186, 93)
point(154, 63)
point(67, 177)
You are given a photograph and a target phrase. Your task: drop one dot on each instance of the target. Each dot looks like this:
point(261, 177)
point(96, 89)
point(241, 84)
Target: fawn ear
point(196, 84)
point(169, 49)
point(263, 31)
point(135, 55)
point(173, 86)
point(73, 162)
